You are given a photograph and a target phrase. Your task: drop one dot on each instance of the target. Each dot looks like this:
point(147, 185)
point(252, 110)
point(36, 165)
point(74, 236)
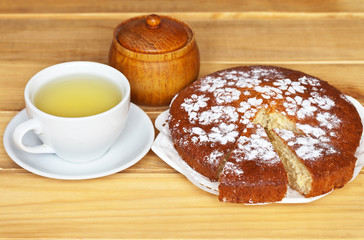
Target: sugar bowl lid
point(153, 34)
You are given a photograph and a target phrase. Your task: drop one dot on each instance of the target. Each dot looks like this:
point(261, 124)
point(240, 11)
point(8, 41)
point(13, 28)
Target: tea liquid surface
point(77, 96)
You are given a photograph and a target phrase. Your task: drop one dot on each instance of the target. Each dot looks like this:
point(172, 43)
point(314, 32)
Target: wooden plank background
point(86, 6)
point(150, 199)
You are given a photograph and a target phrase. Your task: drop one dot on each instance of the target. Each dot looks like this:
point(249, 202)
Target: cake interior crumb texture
point(298, 175)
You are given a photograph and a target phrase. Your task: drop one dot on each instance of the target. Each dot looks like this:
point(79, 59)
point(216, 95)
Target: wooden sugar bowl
point(159, 56)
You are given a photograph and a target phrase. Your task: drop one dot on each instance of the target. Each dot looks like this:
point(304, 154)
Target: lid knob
point(153, 21)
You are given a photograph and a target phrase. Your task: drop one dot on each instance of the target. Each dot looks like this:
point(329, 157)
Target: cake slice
point(313, 167)
point(253, 173)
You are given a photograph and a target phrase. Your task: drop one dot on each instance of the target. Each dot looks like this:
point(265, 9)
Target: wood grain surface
point(150, 199)
point(85, 6)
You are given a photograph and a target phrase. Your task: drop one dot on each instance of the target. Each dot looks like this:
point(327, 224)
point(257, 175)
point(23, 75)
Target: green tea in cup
point(77, 96)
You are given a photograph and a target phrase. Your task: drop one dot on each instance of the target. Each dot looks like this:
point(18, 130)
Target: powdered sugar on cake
point(232, 97)
point(210, 84)
point(330, 121)
point(323, 102)
point(316, 132)
point(305, 80)
point(231, 168)
point(193, 104)
point(226, 95)
point(214, 157)
point(216, 114)
point(255, 147)
point(306, 147)
point(224, 133)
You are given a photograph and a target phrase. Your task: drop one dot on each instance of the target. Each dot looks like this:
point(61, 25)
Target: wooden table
point(150, 199)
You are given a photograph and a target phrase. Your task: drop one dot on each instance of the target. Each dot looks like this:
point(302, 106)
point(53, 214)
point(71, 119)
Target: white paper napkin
point(164, 148)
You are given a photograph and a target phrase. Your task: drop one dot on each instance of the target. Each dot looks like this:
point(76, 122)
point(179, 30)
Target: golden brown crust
point(331, 173)
point(236, 192)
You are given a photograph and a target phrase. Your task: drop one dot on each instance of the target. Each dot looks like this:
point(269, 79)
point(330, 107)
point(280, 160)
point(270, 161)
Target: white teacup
point(77, 139)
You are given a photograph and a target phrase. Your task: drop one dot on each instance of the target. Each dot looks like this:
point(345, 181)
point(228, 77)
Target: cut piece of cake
point(313, 167)
point(253, 173)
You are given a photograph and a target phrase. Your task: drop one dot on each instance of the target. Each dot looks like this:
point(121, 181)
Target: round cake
point(258, 129)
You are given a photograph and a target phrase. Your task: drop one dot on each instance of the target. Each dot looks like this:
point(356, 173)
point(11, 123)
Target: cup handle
point(22, 129)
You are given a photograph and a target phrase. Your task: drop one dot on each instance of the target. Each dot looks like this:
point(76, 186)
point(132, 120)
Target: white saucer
point(132, 145)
